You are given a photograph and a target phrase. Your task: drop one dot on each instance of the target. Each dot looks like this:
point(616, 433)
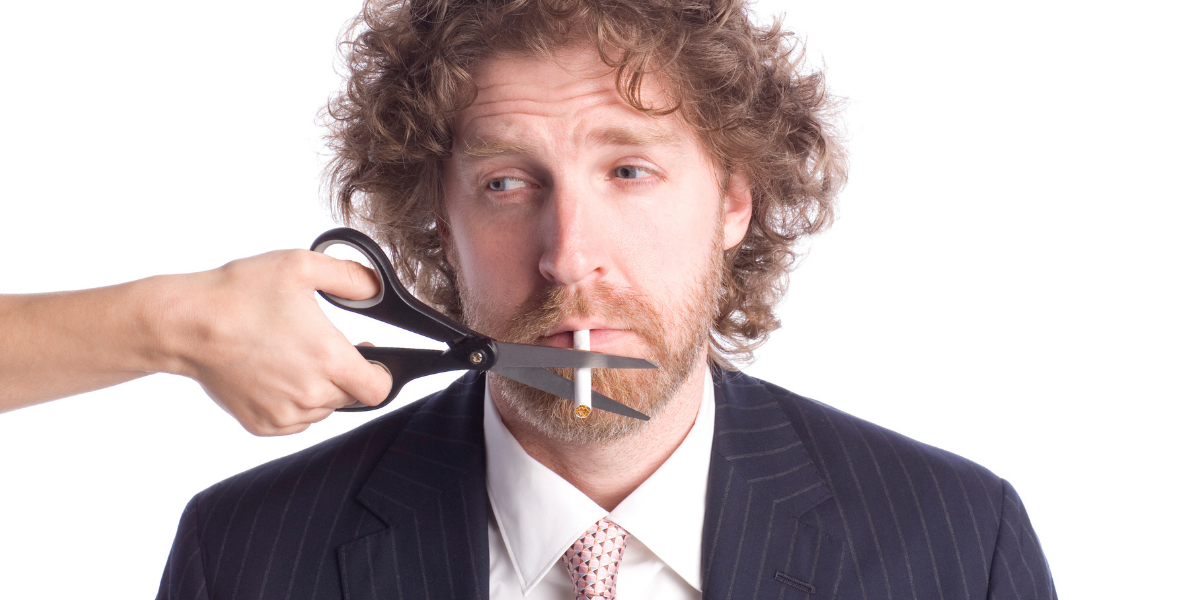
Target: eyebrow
point(484, 148)
point(610, 136)
point(621, 136)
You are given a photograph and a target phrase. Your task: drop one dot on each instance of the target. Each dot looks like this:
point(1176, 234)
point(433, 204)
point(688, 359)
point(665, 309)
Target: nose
point(574, 250)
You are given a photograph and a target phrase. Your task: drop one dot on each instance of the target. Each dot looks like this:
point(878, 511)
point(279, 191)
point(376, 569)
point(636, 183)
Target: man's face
point(568, 210)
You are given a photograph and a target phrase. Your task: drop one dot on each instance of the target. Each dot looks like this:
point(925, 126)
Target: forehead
point(569, 94)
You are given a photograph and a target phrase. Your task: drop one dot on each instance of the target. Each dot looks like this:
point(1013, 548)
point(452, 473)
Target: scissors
point(468, 349)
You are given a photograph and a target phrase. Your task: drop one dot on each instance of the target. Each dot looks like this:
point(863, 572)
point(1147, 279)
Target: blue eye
point(504, 184)
point(630, 172)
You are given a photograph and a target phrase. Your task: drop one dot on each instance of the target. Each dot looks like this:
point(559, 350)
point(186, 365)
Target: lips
point(563, 334)
point(571, 325)
point(600, 339)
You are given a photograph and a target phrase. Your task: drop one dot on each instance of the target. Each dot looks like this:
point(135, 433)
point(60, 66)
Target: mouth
point(601, 338)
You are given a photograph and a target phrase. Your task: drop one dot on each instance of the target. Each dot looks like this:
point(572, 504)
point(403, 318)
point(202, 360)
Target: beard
point(674, 345)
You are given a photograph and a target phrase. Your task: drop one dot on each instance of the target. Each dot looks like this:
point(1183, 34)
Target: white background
point(1013, 276)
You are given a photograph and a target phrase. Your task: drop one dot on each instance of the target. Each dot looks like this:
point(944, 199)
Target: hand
point(251, 333)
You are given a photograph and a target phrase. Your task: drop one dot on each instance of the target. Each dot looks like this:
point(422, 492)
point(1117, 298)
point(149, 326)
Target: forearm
point(64, 343)
point(250, 333)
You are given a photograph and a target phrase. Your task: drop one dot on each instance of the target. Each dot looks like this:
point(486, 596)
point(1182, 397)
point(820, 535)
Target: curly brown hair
point(742, 87)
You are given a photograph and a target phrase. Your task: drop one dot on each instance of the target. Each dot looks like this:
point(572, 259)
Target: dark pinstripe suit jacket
point(804, 501)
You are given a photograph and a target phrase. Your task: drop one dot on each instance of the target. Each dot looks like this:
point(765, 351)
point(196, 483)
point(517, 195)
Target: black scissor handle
point(404, 365)
point(393, 304)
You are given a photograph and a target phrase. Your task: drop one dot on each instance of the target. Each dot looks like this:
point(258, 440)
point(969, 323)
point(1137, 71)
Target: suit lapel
point(430, 490)
point(761, 482)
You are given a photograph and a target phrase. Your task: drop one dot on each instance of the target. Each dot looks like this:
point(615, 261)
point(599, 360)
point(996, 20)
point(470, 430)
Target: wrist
point(161, 323)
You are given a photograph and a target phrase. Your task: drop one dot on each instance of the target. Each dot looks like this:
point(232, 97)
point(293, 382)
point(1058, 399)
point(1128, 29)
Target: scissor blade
point(553, 383)
point(525, 355)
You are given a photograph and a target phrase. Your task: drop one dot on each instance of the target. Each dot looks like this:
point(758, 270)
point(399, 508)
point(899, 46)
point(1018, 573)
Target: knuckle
point(236, 267)
point(352, 270)
point(318, 415)
point(328, 357)
point(259, 429)
point(312, 396)
point(311, 401)
point(358, 274)
point(298, 262)
point(282, 418)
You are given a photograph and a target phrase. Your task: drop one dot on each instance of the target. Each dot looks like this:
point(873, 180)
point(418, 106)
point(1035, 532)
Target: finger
point(344, 278)
point(364, 381)
point(315, 415)
point(291, 417)
point(268, 427)
point(338, 399)
point(294, 419)
point(297, 428)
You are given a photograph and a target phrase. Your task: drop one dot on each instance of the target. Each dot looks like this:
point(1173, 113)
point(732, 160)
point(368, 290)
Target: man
point(640, 172)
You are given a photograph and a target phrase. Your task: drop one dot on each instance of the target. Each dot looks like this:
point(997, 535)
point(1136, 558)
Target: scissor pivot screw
point(477, 357)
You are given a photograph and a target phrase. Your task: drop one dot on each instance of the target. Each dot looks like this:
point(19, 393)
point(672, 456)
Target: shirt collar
point(540, 514)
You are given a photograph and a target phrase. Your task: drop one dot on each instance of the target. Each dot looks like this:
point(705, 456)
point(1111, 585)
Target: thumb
point(344, 278)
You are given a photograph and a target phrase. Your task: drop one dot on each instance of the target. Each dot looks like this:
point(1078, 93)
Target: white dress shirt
point(536, 515)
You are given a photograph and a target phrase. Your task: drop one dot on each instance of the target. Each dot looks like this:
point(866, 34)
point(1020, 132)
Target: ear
point(738, 207)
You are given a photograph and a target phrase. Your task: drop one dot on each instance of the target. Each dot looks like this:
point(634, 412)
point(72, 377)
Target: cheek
point(493, 257)
point(667, 246)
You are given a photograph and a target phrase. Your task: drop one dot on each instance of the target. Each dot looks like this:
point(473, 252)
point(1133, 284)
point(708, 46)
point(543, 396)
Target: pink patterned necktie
point(593, 559)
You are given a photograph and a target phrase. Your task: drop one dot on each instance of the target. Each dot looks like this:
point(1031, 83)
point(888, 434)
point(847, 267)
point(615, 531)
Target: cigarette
point(583, 377)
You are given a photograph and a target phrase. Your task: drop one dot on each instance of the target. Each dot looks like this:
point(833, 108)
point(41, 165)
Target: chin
point(649, 391)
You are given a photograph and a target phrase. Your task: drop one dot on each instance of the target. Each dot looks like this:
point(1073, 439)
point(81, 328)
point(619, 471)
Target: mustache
point(549, 307)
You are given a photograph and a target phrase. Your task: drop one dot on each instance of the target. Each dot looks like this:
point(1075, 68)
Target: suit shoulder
point(345, 457)
point(841, 444)
point(339, 463)
point(912, 515)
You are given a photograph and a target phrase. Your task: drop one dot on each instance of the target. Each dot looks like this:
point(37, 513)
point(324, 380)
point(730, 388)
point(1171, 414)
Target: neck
point(607, 472)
